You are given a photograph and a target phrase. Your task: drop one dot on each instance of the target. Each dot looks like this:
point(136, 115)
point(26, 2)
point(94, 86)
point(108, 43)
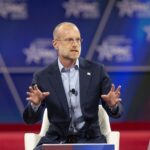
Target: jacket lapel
point(56, 81)
point(84, 77)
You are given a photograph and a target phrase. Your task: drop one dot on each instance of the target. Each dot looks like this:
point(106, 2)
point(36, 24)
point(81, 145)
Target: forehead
point(68, 31)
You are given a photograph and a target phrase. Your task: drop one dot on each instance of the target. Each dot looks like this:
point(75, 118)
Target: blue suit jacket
point(94, 81)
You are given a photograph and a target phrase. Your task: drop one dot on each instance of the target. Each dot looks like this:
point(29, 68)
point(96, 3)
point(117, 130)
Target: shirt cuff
point(35, 107)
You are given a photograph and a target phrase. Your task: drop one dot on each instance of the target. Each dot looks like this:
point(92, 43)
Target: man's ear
point(54, 42)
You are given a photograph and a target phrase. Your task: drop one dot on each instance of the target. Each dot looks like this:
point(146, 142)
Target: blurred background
point(115, 33)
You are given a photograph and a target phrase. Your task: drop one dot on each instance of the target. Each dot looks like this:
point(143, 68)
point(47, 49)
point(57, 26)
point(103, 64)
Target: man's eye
point(70, 40)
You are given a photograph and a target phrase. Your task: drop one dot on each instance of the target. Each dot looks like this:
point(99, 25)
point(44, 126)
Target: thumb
point(103, 96)
point(46, 94)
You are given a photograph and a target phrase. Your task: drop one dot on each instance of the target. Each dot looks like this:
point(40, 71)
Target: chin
point(75, 58)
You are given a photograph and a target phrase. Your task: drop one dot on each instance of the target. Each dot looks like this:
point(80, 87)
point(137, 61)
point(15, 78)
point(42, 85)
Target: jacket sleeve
point(31, 116)
point(106, 86)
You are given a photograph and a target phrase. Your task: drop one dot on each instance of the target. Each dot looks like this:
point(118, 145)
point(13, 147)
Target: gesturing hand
point(35, 95)
point(113, 97)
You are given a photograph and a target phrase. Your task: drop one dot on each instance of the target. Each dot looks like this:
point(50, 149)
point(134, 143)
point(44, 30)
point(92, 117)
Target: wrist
point(113, 107)
point(35, 105)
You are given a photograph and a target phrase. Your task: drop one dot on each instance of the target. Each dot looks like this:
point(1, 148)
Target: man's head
point(67, 41)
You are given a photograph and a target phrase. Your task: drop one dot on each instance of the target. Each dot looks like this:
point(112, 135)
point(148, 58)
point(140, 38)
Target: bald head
point(63, 28)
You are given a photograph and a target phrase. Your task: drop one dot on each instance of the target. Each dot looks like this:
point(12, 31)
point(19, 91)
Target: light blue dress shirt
point(70, 79)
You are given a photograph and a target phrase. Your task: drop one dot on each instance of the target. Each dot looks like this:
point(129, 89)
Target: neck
point(67, 63)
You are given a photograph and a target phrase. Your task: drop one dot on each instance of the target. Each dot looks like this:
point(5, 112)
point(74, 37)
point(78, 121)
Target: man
point(71, 89)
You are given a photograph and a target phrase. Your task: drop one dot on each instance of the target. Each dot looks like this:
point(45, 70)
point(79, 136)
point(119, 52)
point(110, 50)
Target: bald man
point(71, 88)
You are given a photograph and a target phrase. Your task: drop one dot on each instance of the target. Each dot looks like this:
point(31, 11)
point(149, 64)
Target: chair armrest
point(45, 124)
point(31, 140)
point(113, 137)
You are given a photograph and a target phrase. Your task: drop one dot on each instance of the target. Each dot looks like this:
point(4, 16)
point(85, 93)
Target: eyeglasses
point(71, 40)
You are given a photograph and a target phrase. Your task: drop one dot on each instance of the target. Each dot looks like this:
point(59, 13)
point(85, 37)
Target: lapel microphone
point(73, 91)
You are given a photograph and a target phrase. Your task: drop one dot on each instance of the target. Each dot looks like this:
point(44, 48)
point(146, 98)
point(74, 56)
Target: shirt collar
point(63, 69)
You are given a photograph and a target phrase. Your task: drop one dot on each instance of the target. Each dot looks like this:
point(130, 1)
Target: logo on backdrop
point(147, 30)
point(40, 52)
point(13, 10)
point(115, 48)
point(134, 8)
point(82, 9)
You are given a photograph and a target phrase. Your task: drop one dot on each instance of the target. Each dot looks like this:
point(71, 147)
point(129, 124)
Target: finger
point(28, 93)
point(112, 88)
point(119, 100)
point(118, 88)
point(36, 87)
point(118, 94)
point(28, 99)
point(31, 89)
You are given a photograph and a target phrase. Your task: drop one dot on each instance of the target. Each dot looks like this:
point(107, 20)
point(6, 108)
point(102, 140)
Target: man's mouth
point(74, 50)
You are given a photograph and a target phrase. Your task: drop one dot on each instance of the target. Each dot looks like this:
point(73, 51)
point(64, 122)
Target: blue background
point(25, 44)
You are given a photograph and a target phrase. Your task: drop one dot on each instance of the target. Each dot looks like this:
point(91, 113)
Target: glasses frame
point(71, 40)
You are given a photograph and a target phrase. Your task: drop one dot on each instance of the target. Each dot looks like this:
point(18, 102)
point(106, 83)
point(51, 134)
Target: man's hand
point(35, 95)
point(113, 97)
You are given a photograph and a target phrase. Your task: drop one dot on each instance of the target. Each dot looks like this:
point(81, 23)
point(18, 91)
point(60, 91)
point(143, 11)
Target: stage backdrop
point(115, 33)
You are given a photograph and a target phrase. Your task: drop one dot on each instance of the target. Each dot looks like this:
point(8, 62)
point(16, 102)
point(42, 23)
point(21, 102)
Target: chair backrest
point(103, 122)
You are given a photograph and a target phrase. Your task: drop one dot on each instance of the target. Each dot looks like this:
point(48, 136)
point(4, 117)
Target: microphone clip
point(73, 91)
